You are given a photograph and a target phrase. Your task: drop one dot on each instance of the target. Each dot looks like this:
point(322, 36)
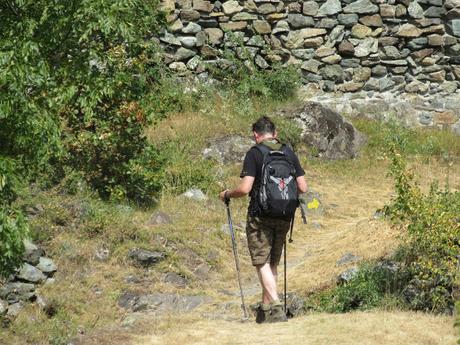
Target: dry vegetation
point(85, 299)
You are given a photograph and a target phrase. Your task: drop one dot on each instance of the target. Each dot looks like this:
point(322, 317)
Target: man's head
point(263, 129)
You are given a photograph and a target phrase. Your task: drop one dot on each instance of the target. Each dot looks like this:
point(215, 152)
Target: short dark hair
point(264, 126)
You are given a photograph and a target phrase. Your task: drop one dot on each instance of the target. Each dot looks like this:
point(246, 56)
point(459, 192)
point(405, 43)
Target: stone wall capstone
point(343, 45)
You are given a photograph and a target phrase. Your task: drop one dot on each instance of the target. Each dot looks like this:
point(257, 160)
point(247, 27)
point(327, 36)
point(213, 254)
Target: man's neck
point(265, 138)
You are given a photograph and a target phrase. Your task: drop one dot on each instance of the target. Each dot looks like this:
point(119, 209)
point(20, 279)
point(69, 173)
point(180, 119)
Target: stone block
point(310, 8)
point(231, 7)
point(360, 31)
point(329, 8)
point(202, 6)
point(262, 27)
point(374, 20)
point(233, 26)
point(388, 11)
point(408, 31)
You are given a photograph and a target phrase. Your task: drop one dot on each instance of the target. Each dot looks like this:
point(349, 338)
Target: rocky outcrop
point(327, 131)
point(399, 43)
point(20, 288)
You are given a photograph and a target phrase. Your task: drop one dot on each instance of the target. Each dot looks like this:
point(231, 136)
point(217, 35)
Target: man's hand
point(222, 195)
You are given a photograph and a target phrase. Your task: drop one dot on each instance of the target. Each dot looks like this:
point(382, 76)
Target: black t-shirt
point(252, 166)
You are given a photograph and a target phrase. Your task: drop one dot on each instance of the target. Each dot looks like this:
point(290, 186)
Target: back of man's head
point(264, 126)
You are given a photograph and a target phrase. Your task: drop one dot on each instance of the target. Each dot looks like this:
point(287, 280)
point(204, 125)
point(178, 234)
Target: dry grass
point(376, 328)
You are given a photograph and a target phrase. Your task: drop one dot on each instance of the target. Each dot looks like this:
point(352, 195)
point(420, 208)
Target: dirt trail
point(345, 224)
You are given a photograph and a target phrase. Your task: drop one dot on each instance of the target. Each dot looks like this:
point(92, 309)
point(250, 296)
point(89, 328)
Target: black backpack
point(277, 193)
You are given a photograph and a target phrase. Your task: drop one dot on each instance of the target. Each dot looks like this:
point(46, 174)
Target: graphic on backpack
point(277, 193)
point(283, 186)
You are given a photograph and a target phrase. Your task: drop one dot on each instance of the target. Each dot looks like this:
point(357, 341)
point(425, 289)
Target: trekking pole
point(285, 266)
point(235, 254)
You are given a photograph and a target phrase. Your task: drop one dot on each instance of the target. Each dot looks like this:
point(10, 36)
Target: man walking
point(266, 235)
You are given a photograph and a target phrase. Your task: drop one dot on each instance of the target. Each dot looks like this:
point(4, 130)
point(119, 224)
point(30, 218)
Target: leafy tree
point(73, 76)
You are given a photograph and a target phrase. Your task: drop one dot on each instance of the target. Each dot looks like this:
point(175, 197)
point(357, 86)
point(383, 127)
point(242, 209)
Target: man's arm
point(243, 189)
point(301, 184)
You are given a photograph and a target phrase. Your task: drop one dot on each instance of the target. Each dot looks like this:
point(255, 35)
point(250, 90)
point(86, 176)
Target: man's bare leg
point(267, 276)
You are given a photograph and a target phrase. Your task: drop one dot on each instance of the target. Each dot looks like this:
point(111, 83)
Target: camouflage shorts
point(266, 238)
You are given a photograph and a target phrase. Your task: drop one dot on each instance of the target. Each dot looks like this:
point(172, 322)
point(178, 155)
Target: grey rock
point(416, 87)
point(184, 54)
point(179, 67)
point(201, 38)
point(453, 27)
point(229, 149)
point(256, 41)
point(159, 218)
point(304, 54)
point(14, 309)
point(161, 303)
point(435, 12)
point(32, 253)
point(175, 279)
point(191, 28)
point(311, 66)
point(450, 4)
point(425, 118)
point(348, 258)
point(347, 276)
point(330, 8)
point(366, 46)
point(244, 16)
point(102, 254)
point(298, 21)
point(348, 19)
point(266, 8)
point(16, 291)
point(391, 52)
point(381, 84)
point(188, 42)
point(281, 27)
point(3, 307)
point(170, 39)
point(415, 10)
point(231, 7)
point(46, 265)
point(144, 257)
point(189, 15)
point(328, 23)
point(329, 132)
point(334, 73)
point(313, 205)
point(195, 194)
point(361, 7)
point(260, 62)
point(31, 274)
point(379, 71)
point(350, 63)
point(294, 303)
point(194, 62)
point(310, 8)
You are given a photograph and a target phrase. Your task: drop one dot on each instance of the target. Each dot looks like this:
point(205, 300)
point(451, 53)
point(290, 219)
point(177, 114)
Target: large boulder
point(229, 149)
point(327, 131)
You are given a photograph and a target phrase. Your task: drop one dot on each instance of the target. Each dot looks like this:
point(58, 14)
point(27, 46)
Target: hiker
point(266, 235)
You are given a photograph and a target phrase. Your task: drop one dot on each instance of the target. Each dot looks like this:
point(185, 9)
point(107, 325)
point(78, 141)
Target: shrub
point(433, 237)
point(13, 227)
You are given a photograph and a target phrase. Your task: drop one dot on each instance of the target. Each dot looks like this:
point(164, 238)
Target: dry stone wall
point(370, 45)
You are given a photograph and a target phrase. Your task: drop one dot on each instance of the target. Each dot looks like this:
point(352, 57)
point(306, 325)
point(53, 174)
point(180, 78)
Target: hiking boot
point(277, 314)
point(263, 313)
